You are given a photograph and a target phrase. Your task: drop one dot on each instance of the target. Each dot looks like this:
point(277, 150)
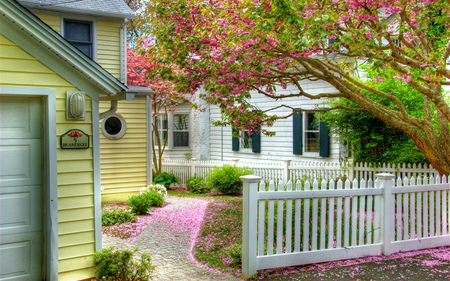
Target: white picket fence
point(286, 170)
point(303, 222)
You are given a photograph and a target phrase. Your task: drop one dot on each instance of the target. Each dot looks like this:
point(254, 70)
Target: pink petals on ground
point(187, 216)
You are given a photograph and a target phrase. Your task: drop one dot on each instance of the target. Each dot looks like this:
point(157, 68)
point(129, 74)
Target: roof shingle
point(112, 8)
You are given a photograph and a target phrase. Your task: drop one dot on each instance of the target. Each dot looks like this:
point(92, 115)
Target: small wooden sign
point(74, 139)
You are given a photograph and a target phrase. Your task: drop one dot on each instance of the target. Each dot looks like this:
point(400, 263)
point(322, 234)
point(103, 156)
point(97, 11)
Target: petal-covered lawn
point(215, 226)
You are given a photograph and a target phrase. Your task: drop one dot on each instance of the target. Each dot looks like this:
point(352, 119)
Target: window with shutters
point(246, 142)
point(310, 136)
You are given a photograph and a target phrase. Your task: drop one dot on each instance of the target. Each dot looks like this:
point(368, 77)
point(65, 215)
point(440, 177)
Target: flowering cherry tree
point(142, 70)
point(239, 48)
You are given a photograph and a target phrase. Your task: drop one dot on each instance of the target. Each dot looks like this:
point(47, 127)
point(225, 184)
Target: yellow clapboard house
point(62, 69)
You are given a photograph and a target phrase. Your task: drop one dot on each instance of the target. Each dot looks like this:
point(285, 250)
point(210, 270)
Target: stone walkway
point(169, 248)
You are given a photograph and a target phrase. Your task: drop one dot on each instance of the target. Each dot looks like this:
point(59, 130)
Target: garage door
point(20, 189)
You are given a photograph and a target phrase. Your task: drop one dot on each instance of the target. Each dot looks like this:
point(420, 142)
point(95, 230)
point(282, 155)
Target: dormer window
point(80, 34)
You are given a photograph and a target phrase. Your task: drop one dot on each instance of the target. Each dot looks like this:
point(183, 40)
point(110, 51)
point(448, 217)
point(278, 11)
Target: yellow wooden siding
point(108, 46)
point(75, 168)
point(124, 161)
point(52, 20)
point(108, 42)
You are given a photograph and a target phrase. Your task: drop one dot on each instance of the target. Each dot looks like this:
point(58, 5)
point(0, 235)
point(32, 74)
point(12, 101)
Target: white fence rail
point(295, 170)
point(302, 223)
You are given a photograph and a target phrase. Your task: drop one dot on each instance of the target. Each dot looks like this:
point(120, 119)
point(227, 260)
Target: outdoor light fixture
point(75, 105)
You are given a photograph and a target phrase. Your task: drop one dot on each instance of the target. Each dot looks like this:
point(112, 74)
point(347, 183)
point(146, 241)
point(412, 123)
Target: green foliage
point(235, 253)
point(370, 139)
point(226, 179)
point(119, 265)
point(155, 198)
point(197, 184)
point(165, 179)
point(117, 216)
point(139, 204)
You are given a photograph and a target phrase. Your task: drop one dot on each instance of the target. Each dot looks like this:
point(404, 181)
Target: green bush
point(197, 185)
point(155, 198)
point(118, 265)
point(165, 179)
point(139, 204)
point(235, 253)
point(117, 216)
point(226, 179)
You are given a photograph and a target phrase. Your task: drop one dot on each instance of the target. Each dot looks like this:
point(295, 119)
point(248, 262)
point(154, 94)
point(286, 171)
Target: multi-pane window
point(180, 130)
point(162, 125)
point(80, 34)
point(173, 129)
point(310, 136)
point(246, 140)
point(311, 133)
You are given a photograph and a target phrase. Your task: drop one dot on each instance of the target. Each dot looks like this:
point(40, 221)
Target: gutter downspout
point(123, 52)
point(111, 111)
point(123, 69)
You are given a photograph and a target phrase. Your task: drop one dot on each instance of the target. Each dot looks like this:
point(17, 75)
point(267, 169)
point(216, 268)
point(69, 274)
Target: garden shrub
point(161, 189)
point(226, 179)
point(139, 204)
point(197, 185)
point(235, 253)
point(118, 265)
point(117, 216)
point(154, 198)
point(165, 179)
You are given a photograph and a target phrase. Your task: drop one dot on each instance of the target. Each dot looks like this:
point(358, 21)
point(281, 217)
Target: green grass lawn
point(220, 237)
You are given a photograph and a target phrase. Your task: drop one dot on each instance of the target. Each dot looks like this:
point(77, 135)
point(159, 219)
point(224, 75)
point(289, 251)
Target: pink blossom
point(379, 79)
point(368, 36)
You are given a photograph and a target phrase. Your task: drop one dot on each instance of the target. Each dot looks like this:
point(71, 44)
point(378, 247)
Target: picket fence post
point(193, 163)
point(286, 176)
point(387, 211)
point(249, 224)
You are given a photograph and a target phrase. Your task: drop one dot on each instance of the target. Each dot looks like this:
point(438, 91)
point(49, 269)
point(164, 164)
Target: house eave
point(19, 20)
point(67, 9)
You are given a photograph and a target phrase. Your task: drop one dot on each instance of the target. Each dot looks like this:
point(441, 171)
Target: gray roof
point(110, 8)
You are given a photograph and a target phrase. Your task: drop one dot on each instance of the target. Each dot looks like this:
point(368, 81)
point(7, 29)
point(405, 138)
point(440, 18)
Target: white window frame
point(305, 135)
point(122, 131)
point(93, 32)
point(171, 129)
point(243, 135)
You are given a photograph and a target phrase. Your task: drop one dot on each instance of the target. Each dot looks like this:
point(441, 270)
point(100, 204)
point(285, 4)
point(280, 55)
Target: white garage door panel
point(21, 207)
point(28, 219)
point(20, 162)
point(15, 253)
point(18, 118)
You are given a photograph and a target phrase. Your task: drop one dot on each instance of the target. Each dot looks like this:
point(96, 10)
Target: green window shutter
point(234, 140)
point(297, 131)
point(324, 149)
point(256, 142)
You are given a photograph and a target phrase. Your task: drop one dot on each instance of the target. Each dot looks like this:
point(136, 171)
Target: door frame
point(49, 176)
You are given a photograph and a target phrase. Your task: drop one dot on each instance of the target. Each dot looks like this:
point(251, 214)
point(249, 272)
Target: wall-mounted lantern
point(75, 105)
